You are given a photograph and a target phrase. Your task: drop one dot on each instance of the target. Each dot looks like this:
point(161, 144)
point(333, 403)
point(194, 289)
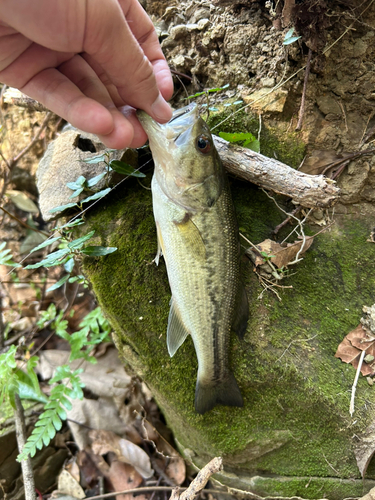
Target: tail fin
point(225, 392)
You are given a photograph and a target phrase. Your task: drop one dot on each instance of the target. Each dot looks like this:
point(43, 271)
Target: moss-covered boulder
point(294, 436)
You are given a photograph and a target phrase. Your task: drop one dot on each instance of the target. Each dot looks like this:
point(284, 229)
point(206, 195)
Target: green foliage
point(94, 330)
point(50, 420)
point(6, 257)
point(15, 381)
point(68, 252)
point(289, 38)
point(248, 140)
point(209, 91)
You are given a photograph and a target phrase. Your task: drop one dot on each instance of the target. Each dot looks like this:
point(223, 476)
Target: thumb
point(127, 48)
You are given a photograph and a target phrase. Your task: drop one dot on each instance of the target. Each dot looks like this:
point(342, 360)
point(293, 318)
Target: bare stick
point(310, 191)
point(354, 387)
point(200, 481)
point(27, 470)
point(303, 99)
point(150, 489)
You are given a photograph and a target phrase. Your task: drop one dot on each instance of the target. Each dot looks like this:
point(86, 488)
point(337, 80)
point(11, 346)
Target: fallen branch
point(27, 469)
point(311, 191)
point(200, 481)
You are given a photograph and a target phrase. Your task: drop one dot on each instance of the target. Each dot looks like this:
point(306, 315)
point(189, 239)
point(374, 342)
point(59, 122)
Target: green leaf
point(79, 241)
point(59, 283)
point(246, 138)
point(6, 257)
point(73, 223)
point(291, 40)
point(288, 39)
point(97, 195)
point(92, 182)
point(79, 183)
point(125, 169)
point(46, 243)
point(61, 208)
point(94, 251)
point(53, 259)
point(95, 159)
point(69, 265)
point(22, 201)
point(76, 193)
point(254, 146)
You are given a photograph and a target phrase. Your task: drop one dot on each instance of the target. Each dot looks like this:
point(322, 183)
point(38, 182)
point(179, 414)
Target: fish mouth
point(182, 120)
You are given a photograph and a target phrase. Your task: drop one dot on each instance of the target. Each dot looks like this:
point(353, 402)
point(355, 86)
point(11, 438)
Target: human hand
point(84, 60)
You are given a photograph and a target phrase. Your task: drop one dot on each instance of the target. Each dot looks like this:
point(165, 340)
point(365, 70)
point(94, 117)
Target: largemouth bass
point(198, 238)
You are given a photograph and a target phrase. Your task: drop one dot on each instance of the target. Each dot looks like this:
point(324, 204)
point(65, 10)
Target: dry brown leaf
point(104, 442)
point(354, 343)
point(282, 255)
point(175, 464)
point(124, 477)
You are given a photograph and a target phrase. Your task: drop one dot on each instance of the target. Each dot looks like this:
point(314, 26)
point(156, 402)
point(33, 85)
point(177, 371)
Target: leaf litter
point(362, 338)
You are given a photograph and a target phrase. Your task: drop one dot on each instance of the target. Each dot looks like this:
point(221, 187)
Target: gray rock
point(63, 162)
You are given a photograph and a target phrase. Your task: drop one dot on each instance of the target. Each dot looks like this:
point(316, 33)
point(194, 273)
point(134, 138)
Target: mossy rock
point(294, 435)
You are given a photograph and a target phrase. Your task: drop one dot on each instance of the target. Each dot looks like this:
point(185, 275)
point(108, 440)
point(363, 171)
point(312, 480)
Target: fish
point(198, 237)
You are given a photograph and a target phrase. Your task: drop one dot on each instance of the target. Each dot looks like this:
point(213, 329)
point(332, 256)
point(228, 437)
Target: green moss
point(295, 421)
point(275, 141)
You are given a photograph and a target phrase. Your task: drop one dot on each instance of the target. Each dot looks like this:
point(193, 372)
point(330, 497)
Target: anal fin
point(176, 331)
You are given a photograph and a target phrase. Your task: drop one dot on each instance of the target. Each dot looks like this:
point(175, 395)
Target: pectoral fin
point(160, 245)
point(192, 237)
point(176, 331)
point(241, 312)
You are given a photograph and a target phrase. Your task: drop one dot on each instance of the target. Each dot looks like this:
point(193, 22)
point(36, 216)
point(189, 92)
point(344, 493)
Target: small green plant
point(69, 251)
point(82, 184)
point(289, 38)
point(66, 383)
point(6, 258)
point(247, 140)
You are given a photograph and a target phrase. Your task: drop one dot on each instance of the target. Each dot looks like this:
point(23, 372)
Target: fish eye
point(204, 144)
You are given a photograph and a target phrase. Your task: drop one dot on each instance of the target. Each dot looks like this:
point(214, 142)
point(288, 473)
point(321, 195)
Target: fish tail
point(224, 392)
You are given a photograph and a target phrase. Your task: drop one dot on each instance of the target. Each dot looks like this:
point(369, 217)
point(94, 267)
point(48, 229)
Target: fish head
point(187, 166)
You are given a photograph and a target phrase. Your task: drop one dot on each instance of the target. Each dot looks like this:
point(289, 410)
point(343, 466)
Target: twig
point(149, 489)
point(27, 470)
point(177, 73)
point(354, 387)
point(292, 342)
point(33, 141)
point(23, 223)
point(200, 481)
point(285, 221)
point(303, 99)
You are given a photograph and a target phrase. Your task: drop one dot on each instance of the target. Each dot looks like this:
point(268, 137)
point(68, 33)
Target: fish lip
point(182, 120)
point(187, 112)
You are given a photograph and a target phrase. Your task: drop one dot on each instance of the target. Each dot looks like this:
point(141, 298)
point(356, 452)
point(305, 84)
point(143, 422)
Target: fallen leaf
point(174, 464)
point(354, 343)
point(22, 201)
point(69, 486)
point(104, 442)
point(134, 455)
point(282, 255)
point(364, 448)
point(124, 477)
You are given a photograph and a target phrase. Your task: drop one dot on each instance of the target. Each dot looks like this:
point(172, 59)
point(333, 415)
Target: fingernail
point(161, 110)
